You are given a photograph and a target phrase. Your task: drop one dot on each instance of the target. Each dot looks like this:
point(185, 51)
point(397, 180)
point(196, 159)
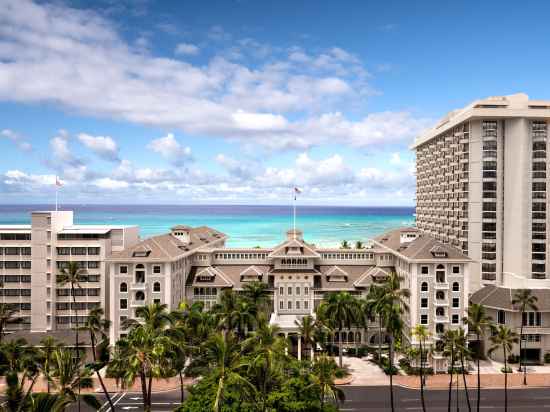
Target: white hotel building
point(482, 178)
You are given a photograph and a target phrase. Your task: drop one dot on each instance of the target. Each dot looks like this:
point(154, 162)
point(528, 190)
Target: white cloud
point(104, 146)
point(76, 59)
point(187, 49)
point(110, 184)
point(237, 168)
point(17, 139)
point(27, 181)
point(395, 159)
point(62, 154)
point(169, 148)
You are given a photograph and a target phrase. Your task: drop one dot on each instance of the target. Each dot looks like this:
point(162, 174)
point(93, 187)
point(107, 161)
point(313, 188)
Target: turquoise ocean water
point(246, 226)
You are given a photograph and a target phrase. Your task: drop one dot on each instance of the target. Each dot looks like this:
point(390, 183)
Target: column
point(299, 347)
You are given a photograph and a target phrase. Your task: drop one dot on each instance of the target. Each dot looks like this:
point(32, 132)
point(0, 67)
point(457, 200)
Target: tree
point(68, 377)
point(359, 245)
point(227, 310)
point(7, 317)
point(344, 245)
point(524, 300)
point(258, 294)
point(450, 347)
point(72, 275)
point(324, 374)
point(144, 352)
point(97, 326)
point(463, 354)
point(246, 315)
point(340, 309)
point(504, 339)
point(306, 328)
point(47, 346)
point(422, 333)
point(376, 300)
point(478, 322)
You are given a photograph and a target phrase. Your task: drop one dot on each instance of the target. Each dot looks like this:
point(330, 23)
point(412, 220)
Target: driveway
point(365, 373)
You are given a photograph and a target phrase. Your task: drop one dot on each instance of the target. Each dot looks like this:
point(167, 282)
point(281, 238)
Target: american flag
point(58, 182)
point(296, 191)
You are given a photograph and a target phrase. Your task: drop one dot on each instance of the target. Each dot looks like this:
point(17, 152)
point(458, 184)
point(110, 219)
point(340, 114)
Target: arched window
point(440, 295)
point(357, 336)
point(456, 287)
point(439, 328)
point(440, 274)
point(123, 287)
point(439, 311)
point(424, 287)
point(350, 337)
point(156, 287)
point(140, 296)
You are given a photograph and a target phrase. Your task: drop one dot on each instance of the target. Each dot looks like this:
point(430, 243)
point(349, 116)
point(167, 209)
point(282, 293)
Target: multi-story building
point(482, 176)
point(193, 264)
point(31, 257)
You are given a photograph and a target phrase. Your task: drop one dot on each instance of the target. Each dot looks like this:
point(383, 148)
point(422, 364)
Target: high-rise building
point(481, 187)
point(31, 257)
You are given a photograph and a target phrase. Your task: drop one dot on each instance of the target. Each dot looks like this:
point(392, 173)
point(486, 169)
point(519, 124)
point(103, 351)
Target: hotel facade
point(482, 176)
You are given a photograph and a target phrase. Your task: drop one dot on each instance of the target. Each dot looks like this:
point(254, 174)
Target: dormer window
point(141, 253)
point(205, 277)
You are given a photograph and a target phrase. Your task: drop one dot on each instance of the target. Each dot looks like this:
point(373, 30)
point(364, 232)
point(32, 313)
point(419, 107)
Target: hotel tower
point(481, 187)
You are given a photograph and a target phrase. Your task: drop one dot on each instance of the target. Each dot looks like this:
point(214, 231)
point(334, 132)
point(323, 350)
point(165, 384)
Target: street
point(373, 398)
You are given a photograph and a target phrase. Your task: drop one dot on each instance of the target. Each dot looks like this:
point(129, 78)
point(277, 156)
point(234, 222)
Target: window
point(306, 291)
point(156, 269)
point(289, 304)
point(531, 319)
point(157, 301)
point(123, 270)
point(122, 319)
point(456, 269)
point(156, 287)
point(501, 317)
point(123, 303)
point(424, 302)
point(440, 328)
point(424, 319)
point(140, 296)
point(456, 302)
point(123, 287)
point(281, 304)
point(424, 270)
point(456, 287)
point(298, 304)
point(424, 287)
point(306, 304)
point(455, 319)
point(440, 295)
point(281, 290)
point(297, 290)
point(289, 290)
point(93, 251)
point(439, 311)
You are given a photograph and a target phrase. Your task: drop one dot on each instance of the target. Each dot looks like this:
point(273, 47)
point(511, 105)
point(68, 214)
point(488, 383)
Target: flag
point(296, 191)
point(58, 182)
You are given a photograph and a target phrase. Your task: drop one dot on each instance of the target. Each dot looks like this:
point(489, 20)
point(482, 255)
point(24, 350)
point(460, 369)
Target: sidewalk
point(515, 380)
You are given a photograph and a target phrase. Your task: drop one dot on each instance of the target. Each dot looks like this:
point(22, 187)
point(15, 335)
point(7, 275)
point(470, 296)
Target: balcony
point(441, 285)
point(441, 319)
point(138, 286)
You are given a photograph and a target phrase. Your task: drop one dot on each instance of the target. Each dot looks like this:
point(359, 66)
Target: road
point(375, 399)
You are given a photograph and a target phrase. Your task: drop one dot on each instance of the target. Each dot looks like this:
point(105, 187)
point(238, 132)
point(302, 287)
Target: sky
point(240, 101)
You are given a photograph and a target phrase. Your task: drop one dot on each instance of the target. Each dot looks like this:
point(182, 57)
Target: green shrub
point(547, 358)
point(513, 358)
point(508, 370)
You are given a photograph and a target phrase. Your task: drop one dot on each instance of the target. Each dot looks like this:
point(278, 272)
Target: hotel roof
point(501, 298)
point(515, 105)
point(167, 247)
point(424, 247)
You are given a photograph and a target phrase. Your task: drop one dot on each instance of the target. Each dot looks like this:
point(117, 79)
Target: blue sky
point(239, 101)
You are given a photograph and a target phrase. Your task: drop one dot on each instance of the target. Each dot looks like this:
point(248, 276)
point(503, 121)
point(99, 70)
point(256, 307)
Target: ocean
point(246, 225)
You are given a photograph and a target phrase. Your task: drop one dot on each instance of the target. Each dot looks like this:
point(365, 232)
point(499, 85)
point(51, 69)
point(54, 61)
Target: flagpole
point(294, 214)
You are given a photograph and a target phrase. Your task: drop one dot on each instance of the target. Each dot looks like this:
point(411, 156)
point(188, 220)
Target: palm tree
point(450, 348)
point(97, 326)
point(227, 310)
point(72, 275)
point(504, 339)
point(344, 244)
point(224, 357)
point(376, 301)
point(258, 294)
point(341, 309)
point(306, 327)
point(47, 346)
point(359, 245)
point(7, 317)
point(463, 354)
point(324, 371)
point(69, 376)
point(478, 322)
point(246, 315)
point(524, 300)
point(144, 352)
point(422, 333)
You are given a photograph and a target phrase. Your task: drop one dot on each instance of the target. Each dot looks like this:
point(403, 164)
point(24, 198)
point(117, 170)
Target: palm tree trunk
point(505, 382)
point(422, 377)
point(150, 389)
point(457, 383)
point(451, 369)
point(144, 391)
point(380, 339)
point(524, 354)
point(76, 343)
point(182, 392)
point(464, 380)
point(105, 391)
point(340, 345)
point(391, 372)
point(478, 373)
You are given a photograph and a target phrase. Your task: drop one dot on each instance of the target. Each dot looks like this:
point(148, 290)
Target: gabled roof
point(304, 249)
point(336, 271)
point(420, 248)
point(217, 277)
point(352, 273)
point(371, 274)
point(167, 247)
point(251, 271)
point(501, 298)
